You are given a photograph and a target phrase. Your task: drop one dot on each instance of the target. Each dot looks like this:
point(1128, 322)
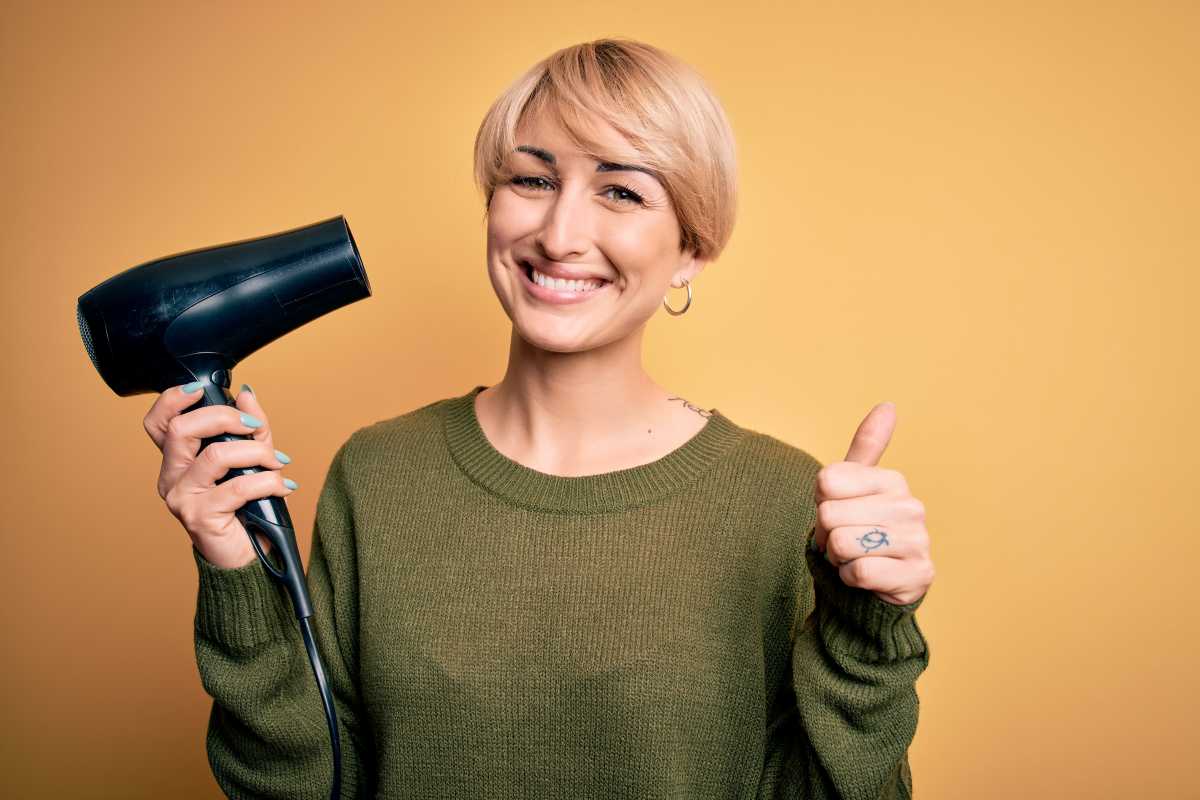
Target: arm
point(267, 734)
point(845, 719)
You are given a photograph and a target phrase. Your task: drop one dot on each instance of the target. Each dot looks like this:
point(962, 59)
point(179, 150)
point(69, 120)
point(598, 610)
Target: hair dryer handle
point(267, 516)
point(283, 540)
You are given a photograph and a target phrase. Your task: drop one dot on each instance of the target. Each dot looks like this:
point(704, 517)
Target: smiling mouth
point(527, 268)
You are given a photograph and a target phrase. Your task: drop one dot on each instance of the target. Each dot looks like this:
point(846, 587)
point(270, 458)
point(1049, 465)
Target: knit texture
point(492, 631)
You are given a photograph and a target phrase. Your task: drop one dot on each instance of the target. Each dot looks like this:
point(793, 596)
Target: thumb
point(873, 434)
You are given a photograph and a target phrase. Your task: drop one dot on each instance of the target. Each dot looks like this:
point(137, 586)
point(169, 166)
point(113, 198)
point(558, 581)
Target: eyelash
point(634, 197)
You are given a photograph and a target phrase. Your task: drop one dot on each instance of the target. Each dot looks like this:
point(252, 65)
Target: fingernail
point(188, 388)
point(291, 484)
point(251, 421)
point(282, 456)
point(246, 388)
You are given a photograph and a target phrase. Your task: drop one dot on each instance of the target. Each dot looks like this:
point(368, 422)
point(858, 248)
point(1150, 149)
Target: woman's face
point(562, 212)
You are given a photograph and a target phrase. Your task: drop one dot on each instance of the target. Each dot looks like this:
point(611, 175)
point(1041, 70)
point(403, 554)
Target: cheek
point(509, 215)
point(643, 255)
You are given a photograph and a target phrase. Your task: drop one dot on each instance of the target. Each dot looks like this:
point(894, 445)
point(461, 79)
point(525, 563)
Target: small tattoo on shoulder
point(688, 405)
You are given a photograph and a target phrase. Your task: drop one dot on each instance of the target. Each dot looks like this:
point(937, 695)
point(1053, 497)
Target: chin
point(545, 335)
point(554, 344)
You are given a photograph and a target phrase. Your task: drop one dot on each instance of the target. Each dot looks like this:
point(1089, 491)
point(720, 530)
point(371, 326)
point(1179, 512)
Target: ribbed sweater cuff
point(858, 623)
point(240, 608)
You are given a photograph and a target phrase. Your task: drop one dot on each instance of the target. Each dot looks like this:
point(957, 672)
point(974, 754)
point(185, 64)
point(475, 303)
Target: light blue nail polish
point(282, 456)
point(291, 484)
point(251, 421)
point(188, 388)
point(246, 388)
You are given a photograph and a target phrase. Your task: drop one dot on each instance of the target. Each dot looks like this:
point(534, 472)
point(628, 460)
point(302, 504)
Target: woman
point(573, 583)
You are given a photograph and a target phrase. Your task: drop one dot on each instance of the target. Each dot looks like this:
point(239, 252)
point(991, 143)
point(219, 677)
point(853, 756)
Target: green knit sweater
point(492, 631)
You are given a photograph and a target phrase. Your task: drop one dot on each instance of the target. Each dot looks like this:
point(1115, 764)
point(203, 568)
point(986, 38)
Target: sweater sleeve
point(267, 733)
point(846, 718)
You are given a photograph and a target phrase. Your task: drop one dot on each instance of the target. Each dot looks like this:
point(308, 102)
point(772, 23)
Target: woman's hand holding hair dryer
point(187, 481)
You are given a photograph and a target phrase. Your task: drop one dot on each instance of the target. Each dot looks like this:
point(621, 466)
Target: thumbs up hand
point(869, 525)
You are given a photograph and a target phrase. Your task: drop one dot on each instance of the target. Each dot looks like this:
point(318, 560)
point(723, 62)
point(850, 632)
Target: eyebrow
point(603, 166)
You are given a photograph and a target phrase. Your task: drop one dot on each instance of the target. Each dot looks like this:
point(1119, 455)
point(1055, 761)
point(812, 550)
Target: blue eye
point(531, 182)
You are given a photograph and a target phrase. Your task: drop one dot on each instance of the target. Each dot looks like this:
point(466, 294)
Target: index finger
point(168, 405)
point(844, 479)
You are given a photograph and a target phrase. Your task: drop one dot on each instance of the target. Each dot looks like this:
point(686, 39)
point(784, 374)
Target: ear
point(690, 266)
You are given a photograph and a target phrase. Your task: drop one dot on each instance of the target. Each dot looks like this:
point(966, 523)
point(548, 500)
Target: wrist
point(227, 554)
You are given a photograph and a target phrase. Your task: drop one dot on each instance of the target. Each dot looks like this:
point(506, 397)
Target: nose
point(566, 227)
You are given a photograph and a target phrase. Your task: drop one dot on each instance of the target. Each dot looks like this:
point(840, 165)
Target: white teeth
point(564, 285)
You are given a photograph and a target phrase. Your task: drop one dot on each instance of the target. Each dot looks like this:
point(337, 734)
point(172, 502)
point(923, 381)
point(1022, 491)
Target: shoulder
point(410, 434)
point(775, 461)
point(778, 480)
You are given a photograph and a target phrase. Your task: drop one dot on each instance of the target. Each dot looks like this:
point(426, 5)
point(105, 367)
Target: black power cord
point(291, 576)
point(318, 668)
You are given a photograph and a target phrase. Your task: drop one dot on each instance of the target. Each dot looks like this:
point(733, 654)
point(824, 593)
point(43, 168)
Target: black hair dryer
point(193, 316)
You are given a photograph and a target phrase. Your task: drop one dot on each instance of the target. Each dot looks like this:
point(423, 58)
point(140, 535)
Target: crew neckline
point(580, 494)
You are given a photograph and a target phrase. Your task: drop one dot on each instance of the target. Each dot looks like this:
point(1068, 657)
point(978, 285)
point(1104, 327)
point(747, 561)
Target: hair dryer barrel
point(168, 321)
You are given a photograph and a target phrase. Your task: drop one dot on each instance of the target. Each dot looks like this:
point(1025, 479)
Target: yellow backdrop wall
point(983, 212)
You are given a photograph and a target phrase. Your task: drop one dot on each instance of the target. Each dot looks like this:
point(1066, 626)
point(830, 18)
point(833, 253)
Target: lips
point(529, 267)
point(559, 297)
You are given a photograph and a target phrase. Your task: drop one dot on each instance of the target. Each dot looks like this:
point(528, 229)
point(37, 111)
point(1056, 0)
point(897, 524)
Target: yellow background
point(986, 213)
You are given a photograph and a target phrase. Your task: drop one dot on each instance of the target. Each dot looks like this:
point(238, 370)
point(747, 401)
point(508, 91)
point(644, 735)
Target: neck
point(568, 408)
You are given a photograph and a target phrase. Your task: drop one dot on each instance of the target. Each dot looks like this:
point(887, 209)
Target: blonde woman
point(573, 583)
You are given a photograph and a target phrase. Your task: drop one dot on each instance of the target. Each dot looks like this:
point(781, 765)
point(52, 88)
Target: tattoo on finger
point(873, 539)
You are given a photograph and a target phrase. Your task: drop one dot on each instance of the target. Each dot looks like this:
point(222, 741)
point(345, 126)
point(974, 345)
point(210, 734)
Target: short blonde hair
point(656, 101)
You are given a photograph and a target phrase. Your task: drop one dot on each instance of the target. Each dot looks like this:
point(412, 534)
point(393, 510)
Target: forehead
point(546, 141)
point(543, 131)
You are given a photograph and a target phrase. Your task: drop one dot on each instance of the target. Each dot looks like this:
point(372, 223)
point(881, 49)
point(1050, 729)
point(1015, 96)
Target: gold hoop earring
point(686, 305)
